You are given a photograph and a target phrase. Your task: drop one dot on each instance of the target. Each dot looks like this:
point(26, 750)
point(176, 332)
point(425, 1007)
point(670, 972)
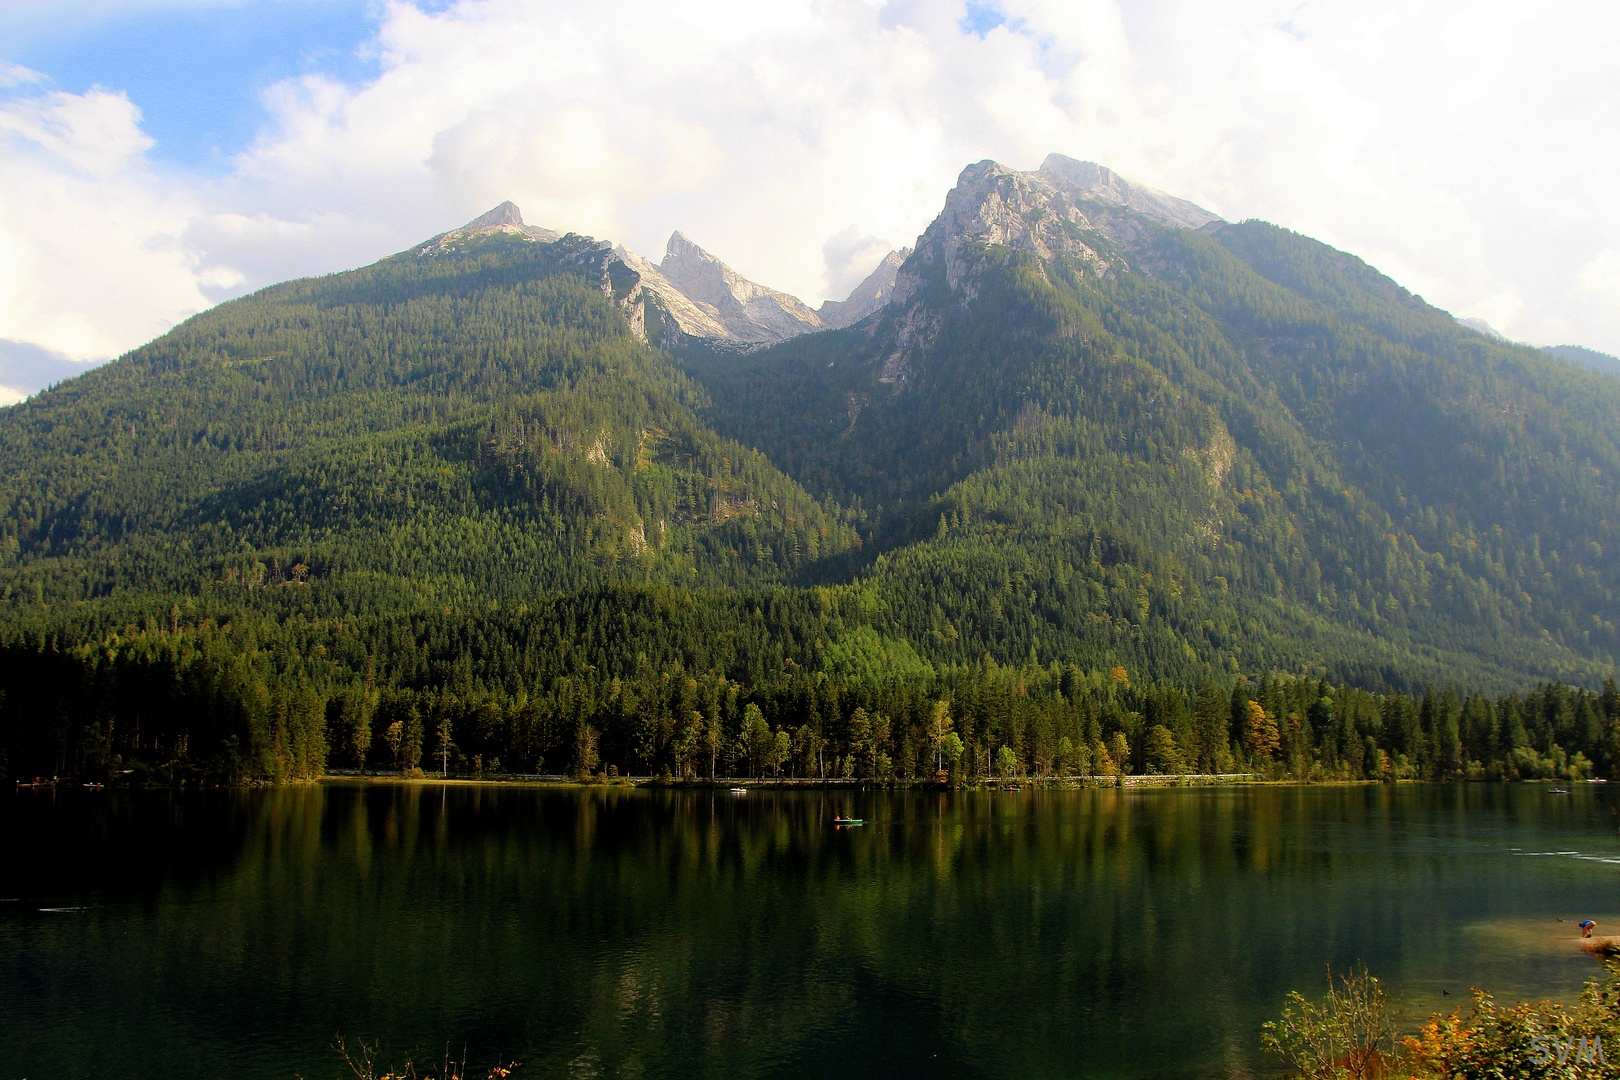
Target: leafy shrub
point(1533, 1039)
point(1348, 1034)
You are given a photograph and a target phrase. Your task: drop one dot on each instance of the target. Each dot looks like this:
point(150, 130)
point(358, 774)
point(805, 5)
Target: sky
point(159, 156)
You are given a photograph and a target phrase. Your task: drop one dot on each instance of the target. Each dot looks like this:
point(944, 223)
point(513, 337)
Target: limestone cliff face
point(1088, 181)
point(868, 296)
point(1065, 208)
point(689, 317)
point(750, 313)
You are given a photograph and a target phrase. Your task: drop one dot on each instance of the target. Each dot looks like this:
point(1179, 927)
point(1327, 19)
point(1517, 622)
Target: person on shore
point(1600, 947)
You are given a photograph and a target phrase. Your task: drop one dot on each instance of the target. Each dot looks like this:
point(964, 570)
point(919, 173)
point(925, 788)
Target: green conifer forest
point(1239, 504)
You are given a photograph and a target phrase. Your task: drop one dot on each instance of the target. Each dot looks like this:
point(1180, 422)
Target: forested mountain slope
point(1094, 489)
point(1092, 431)
point(426, 431)
point(1589, 358)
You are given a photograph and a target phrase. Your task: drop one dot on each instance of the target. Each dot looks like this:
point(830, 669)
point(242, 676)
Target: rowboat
point(848, 821)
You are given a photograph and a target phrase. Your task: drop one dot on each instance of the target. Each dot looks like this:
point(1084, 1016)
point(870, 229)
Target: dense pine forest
point(1233, 503)
point(201, 703)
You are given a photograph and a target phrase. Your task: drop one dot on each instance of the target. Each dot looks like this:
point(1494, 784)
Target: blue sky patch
point(196, 74)
point(982, 17)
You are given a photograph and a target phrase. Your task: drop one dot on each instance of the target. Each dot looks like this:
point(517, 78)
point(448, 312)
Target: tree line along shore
point(215, 706)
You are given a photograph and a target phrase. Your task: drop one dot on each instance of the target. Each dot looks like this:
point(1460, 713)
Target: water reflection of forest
point(625, 932)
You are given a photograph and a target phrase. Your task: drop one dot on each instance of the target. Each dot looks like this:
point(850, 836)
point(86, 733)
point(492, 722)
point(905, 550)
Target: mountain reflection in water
point(613, 932)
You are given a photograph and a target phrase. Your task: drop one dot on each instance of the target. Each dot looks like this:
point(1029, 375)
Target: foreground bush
point(1533, 1039)
point(1348, 1035)
point(362, 1063)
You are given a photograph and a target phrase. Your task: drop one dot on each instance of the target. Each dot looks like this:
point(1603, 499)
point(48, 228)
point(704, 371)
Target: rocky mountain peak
point(688, 317)
point(505, 214)
point(681, 247)
point(750, 312)
point(505, 220)
point(867, 297)
point(1088, 180)
point(698, 274)
point(1066, 207)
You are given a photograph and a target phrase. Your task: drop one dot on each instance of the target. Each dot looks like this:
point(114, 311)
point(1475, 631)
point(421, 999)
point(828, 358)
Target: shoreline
point(1068, 783)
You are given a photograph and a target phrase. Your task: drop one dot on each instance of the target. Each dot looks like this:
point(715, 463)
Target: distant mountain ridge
point(867, 297)
point(700, 299)
point(749, 312)
point(693, 295)
point(1591, 358)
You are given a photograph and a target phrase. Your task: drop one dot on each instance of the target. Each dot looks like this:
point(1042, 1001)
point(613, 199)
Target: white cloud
point(1464, 151)
point(1600, 279)
point(1501, 309)
point(90, 258)
point(850, 256)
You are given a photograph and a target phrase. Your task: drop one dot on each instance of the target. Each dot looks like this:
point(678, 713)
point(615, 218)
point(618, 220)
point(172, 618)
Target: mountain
point(1090, 470)
point(675, 317)
point(653, 306)
point(1095, 419)
point(749, 313)
point(690, 297)
point(708, 302)
point(1485, 328)
point(503, 223)
point(867, 297)
point(470, 422)
point(1091, 182)
point(1590, 358)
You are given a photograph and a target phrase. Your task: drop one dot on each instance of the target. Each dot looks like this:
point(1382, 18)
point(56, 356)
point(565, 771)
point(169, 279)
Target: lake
point(637, 933)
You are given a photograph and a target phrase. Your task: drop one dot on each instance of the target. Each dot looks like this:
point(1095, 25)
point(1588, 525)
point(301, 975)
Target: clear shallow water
point(598, 933)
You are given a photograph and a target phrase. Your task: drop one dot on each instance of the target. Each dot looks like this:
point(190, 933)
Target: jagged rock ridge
point(687, 316)
point(1065, 208)
point(867, 297)
point(749, 312)
point(1090, 181)
point(694, 296)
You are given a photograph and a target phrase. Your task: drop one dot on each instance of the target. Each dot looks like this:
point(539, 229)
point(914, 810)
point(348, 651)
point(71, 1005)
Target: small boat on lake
point(739, 791)
point(1558, 791)
point(841, 821)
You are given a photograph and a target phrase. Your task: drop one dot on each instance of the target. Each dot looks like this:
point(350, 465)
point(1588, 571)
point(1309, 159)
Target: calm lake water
point(598, 933)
